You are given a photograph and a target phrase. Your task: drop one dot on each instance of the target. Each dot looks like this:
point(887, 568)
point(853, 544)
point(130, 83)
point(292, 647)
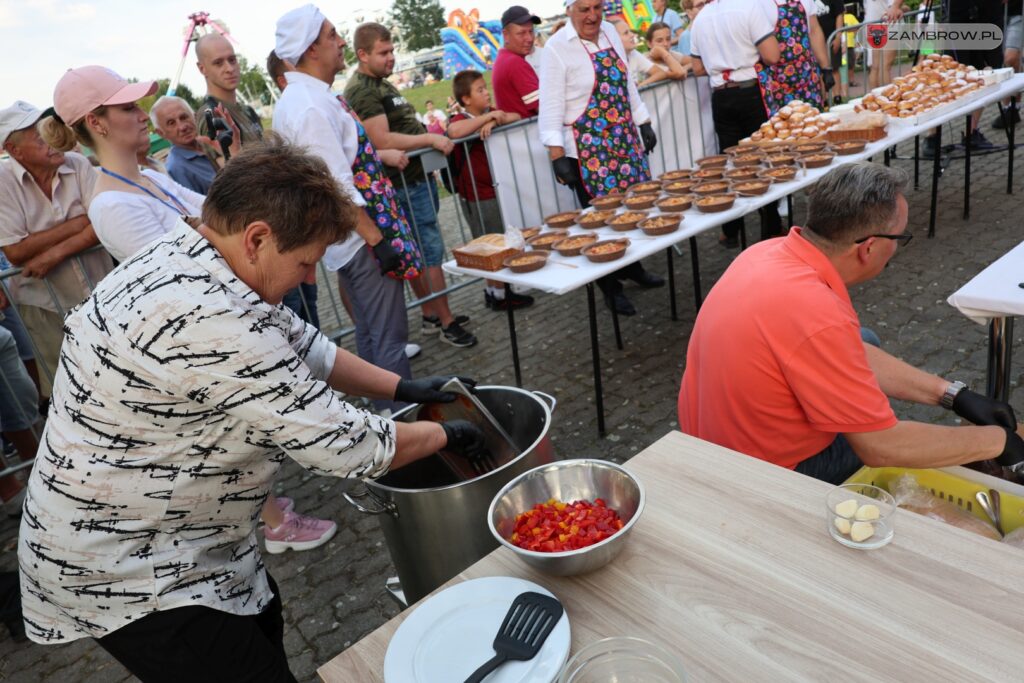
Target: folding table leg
point(698, 297)
point(967, 168)
point(1000, 352)
point(512, 337)
point(615, 326)
point(1012, 128)
point(936, 167)
point(595, 354)
point(671, 283)
point(917, 162)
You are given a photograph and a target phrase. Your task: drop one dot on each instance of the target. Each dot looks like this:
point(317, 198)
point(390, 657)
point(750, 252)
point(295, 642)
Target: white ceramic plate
point(451, 634)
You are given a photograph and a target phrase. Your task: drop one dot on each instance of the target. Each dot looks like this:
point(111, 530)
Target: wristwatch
point(949, 395)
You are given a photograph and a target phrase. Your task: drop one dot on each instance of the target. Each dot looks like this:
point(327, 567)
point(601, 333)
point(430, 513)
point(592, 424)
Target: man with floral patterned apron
point(593, 122)
point(803, 67)
point(727, 40)
point(373, 262)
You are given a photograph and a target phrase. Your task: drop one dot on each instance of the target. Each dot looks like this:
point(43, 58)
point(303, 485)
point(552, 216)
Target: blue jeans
point(19, 402)
point(837, 462)
point(10, 320)
point(420, 204)
point(302, 300)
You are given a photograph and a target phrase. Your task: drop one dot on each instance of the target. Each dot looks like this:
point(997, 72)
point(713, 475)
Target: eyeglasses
point(903, 238)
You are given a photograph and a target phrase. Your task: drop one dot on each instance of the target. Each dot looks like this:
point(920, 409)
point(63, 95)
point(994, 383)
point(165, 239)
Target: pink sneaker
point(285, 504)
point(298, 532)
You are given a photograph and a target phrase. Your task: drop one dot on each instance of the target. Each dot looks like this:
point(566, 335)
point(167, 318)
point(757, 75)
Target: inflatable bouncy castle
point(637, 13)
point(469, 43)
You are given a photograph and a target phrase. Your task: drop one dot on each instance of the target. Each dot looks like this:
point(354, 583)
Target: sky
point(41, 39)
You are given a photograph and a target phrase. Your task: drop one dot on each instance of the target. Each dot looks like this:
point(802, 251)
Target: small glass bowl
point(623, 659)
point(860, 516)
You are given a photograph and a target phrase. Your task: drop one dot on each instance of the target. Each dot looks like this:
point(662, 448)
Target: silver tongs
point(500, 448)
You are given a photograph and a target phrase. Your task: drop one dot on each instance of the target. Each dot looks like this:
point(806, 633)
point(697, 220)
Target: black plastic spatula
point(527, 625)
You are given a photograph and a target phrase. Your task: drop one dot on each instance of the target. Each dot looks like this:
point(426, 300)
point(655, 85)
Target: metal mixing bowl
point(567, 481)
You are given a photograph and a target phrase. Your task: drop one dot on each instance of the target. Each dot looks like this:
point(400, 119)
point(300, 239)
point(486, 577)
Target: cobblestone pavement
point(335, 595)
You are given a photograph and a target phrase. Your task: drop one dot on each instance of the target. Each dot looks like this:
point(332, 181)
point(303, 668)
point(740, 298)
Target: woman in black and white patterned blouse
point(181, 380)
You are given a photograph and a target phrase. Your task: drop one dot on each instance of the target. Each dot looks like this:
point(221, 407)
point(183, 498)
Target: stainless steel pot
point(436, 526)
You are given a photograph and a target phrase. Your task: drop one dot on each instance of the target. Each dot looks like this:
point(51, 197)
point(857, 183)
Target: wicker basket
point(869, 134)
point(484, 253)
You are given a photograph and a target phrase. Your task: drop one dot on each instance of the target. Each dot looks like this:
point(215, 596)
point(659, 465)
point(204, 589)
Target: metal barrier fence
point(525, 186)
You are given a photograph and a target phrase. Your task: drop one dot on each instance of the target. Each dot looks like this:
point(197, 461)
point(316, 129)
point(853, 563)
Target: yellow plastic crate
point(956, 489)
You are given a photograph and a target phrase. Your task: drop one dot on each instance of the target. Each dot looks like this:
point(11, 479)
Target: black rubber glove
point(648, 136)
point(387, 258)
point(464, 438)
point(829, 79)
point(567, 170)
point(1013, 452)
point(428, 389)
point(982, 410)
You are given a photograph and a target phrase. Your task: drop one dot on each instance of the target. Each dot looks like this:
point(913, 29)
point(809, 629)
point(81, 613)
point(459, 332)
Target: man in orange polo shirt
point(776, 366)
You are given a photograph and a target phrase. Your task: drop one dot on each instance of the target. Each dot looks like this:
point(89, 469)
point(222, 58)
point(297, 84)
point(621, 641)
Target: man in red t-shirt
point(516, 86)
point(776, 367)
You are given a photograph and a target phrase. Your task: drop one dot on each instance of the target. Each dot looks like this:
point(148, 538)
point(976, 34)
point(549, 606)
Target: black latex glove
point(464, 438)
point(428, 389)
point(829, 79)
point(387, 257)
point(982, 410)
point(1013, 453)
point(567, 170)
point(648, 136)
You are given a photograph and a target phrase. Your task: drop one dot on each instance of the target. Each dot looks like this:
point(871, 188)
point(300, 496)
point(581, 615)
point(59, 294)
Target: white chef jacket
point(725, 36)
point(309, 114)
point(567, 80)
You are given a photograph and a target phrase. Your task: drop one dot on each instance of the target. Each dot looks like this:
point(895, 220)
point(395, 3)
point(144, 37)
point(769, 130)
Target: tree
point(183, 91)
point(253, 82)
point(420, 22)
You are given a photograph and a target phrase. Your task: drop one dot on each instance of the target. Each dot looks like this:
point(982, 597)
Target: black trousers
point(197, 643)
point(738, 112)
point(609, 284)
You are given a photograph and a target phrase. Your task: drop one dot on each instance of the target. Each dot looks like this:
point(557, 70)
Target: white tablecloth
point(565, 274)
point(994, 292)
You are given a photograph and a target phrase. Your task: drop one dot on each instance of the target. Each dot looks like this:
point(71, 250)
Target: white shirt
point(534, 58)
point(309, 114)
point(567, 80)
point(178, 390)
point(725, 36)
point(639, 66)
point(125, 222)
point(25, 210)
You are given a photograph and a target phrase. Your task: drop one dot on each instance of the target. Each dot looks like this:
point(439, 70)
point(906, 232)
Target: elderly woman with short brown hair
point(181, 381)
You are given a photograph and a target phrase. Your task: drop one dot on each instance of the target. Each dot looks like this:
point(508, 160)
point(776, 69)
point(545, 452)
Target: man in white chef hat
point(309, 114)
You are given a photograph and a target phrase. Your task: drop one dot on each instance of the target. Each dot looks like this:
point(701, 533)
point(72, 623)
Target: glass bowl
point(860, 516)
point(623, 659)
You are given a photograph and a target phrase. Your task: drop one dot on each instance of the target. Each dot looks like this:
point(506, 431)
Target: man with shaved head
point(219, 65)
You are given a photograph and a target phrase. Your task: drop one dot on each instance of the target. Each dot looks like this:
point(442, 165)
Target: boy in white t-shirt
point(641, 69)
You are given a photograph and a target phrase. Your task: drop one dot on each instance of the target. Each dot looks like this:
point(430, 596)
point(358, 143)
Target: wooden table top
point(732, 568)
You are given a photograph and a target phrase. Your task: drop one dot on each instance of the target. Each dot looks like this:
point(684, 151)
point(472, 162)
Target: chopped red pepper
point(555, 526)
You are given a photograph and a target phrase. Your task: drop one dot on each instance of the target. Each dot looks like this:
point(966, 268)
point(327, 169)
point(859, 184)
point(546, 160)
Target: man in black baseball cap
point(518, 15)
point(515, 83)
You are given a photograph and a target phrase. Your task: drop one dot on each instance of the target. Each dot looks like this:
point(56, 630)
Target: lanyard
point(180, 208)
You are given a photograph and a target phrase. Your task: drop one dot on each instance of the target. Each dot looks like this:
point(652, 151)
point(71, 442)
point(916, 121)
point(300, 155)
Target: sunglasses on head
point(903, 238)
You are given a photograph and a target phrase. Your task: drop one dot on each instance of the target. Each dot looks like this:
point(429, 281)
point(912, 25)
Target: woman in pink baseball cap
point(131, 207)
